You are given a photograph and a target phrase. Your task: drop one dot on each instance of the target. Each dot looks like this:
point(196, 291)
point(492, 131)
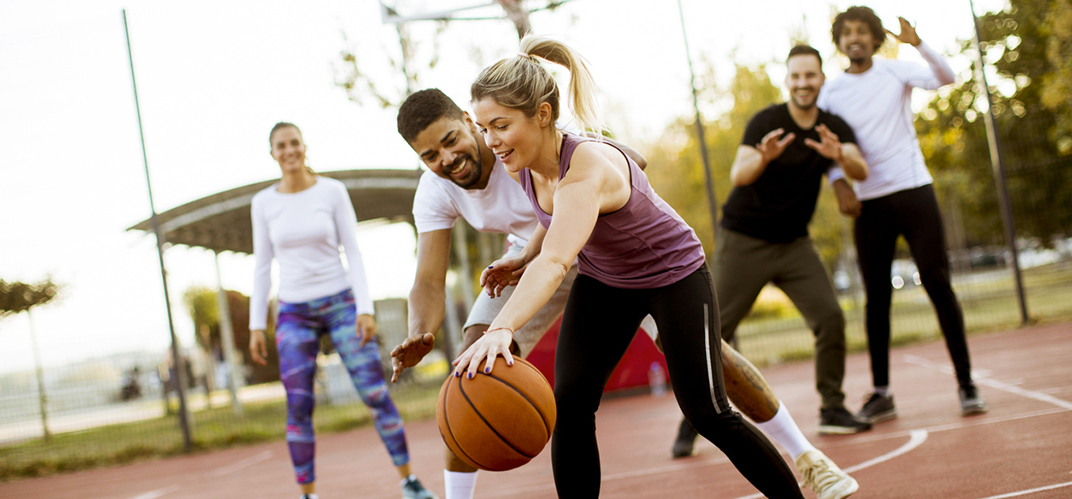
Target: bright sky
point(214, 76)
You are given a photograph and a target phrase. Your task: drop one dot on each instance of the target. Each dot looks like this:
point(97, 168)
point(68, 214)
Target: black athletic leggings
point(913, 213)
point(597, 327)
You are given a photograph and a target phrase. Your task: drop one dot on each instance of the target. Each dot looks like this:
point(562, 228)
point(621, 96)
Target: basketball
point(497, 421)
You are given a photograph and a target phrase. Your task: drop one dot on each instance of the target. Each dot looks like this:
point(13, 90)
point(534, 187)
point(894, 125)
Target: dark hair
point(804, 50)
point(423, 108)
point(864, 15)
point(282, 124)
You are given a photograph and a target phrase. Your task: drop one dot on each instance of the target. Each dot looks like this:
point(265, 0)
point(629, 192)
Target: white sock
point(459, 485)
point(883, 390)
point(309, 496)
point(408, 478)
point(783, 429)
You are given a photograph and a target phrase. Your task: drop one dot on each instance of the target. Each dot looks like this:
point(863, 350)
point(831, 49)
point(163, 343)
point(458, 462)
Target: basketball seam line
point(446, 419)
point(523, 395)
point(461, 389)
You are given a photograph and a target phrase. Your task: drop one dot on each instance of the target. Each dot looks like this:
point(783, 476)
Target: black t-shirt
point(779, 204)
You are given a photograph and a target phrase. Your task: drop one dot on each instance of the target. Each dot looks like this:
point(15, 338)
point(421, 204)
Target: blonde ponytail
point(522, 83)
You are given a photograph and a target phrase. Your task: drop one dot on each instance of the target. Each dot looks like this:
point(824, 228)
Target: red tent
point(631, 373)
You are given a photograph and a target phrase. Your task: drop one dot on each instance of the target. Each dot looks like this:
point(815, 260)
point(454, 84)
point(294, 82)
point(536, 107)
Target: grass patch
point(215, 428)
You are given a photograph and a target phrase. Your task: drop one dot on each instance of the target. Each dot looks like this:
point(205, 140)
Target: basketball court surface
point(1021, 448)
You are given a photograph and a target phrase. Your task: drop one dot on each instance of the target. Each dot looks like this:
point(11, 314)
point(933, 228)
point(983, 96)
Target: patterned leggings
point(297, 339)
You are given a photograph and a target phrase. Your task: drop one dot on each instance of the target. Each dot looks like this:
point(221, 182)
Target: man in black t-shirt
point(763, 237)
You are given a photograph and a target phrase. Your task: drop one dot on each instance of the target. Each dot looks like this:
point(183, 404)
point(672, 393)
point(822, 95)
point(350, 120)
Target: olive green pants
point(744, 264)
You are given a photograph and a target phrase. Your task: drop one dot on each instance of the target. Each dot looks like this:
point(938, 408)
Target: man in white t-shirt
point(466, 180)
point(873, 97)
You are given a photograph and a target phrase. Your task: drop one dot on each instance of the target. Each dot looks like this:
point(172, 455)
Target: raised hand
point(410, 353)
point(771, 147)
point(502, 273)
point(908, 33)
point(829, 147)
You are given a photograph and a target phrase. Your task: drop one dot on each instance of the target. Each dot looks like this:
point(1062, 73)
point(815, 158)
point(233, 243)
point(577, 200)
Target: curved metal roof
point(221, 222)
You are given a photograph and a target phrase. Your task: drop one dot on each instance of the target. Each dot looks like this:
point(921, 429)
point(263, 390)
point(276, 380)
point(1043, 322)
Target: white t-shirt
point(501, 207)
point(303, 232)
point(877, 105)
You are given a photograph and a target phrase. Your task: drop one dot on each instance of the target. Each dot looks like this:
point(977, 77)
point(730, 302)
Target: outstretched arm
point(591, 185)
point(427, 300)
point(943, 73)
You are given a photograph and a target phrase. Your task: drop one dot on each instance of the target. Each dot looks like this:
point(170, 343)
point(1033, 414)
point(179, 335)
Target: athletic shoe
point(824, 477)
point(840, 422)
point(412, 489)
point(877, 409)
point(308, 496)
point(970, 401)
point(685, 445)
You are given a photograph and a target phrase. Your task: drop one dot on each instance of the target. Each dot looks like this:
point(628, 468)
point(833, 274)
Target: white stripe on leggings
point(710, 370)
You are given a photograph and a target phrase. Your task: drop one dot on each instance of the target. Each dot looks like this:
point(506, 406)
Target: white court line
point(153, 494)
point(916, 438)
point(245, 463)
point(993, 383)
point(1030, 491)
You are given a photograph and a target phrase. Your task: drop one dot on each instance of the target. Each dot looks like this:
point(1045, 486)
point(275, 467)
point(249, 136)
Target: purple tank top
point(643, 245)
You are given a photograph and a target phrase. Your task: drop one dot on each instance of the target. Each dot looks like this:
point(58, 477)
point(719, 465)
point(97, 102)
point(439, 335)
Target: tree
point(1016, 45)
point(18, 297)
point(201, 305)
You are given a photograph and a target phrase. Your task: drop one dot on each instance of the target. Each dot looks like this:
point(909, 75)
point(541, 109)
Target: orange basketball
point(497, 421)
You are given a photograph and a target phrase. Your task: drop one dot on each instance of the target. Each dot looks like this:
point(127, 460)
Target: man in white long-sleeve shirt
point(873, 97)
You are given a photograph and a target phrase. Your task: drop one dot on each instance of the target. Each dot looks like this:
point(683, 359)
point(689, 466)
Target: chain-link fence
point(123, 407)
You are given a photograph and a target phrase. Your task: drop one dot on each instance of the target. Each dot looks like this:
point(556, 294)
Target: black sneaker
point(685, 444)
point(970, 401)
point(840, 422)
point(877, 409)
point(412, 489)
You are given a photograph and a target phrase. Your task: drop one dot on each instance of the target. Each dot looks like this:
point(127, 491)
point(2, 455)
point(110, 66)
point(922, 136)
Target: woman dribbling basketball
point(636, 257)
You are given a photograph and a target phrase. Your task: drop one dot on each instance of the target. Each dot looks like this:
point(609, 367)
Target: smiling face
point(512, 136)
point(450, 148)
point(856, 41)
point(288, 149)
point(804, 79)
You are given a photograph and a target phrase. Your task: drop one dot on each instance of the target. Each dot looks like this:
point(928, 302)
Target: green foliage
point(1035, 145)
point(18, 296)
point(201, 305)
point(675, 166)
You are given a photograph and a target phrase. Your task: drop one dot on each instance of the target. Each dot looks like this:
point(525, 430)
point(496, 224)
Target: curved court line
point(916, 438)
point(1030, 491)
point(993, 383)
point(245, 463)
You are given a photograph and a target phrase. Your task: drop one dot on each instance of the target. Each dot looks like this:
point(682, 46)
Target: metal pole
point(712, 202)
point(42, 399)
point(999, 173)
point(180, 375)
point(227, 338)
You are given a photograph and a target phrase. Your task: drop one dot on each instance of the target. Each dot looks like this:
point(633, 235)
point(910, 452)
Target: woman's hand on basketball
point(366, 328)
point(502, 273)
point(481, 354)
point(258, 348)
point(410, 353)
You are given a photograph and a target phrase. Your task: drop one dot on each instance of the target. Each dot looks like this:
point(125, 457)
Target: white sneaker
point(824, 477)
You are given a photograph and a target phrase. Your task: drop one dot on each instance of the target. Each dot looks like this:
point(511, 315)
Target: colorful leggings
point(297, 338)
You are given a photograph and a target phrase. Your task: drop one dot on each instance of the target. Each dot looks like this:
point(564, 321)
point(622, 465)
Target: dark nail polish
point(470, 375)
point(487, 370)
